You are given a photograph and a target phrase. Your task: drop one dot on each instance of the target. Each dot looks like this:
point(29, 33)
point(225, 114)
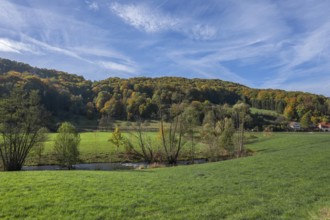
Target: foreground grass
point(288, 178)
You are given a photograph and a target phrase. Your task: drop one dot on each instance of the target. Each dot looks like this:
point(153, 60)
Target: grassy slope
point(287, 179)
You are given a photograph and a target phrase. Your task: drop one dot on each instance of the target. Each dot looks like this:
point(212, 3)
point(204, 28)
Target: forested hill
point(9, 65)
point(67, 95)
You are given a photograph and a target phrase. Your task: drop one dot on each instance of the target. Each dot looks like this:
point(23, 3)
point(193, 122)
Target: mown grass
point(288, 178)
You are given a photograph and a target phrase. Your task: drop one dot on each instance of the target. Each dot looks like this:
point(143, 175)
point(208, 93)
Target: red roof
point(324, 125)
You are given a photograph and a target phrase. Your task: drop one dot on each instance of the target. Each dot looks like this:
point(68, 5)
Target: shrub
point(66, 145)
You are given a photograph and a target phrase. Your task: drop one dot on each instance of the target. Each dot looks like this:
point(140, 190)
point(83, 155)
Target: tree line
point(23, 119)
point(67, 96)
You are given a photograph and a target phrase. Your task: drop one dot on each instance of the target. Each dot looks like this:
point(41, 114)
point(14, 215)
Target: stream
point(105, 166)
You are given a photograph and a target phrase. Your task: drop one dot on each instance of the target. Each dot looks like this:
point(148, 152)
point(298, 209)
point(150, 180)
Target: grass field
point(95, 147)
point(288, 178)
point(264, 112)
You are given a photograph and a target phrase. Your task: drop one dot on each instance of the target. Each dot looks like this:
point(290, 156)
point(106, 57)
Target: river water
point(106, 166)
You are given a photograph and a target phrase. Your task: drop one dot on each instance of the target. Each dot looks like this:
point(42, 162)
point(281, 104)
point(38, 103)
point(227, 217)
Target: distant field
point(288, 178)
point(95, 147)
point(83, 124)
point(264, 112)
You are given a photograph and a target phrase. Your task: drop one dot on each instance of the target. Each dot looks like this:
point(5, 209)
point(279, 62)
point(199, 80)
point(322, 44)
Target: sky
point(258, 43)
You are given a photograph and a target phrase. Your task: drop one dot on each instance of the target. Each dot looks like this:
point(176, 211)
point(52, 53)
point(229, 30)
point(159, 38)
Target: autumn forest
point(71, 97)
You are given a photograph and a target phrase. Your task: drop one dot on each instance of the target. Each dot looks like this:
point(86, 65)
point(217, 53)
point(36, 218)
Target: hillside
point(286, 179)
point(71, 97)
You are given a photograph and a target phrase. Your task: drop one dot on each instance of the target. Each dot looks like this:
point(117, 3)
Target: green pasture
point(264, 112)
point(81, 123)
point(96, 147)
point(287, 178)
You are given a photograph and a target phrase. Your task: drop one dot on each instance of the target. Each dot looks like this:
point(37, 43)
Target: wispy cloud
point(98, 52)
point(144, 18)
point(205, 64)
point(127, 68)
point(306, 55)
point(204, 32)
point(45, 48)
point(151, 20)
point(10, 16)
point(314, 46)
point(61, 37)
point(312, 84)
point(7, 45)
point(92, 5)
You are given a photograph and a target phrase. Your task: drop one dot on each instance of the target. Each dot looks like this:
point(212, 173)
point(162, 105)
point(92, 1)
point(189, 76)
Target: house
point(295, 125)
point(324, 126)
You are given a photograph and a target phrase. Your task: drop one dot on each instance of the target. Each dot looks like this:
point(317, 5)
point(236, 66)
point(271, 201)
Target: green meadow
point(287, 178)
point(264, 112)
point(95, 147)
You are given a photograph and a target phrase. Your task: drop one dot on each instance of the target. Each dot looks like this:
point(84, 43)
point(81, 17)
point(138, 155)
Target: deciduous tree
point(191, 119)
point(305, 120)
point(116, 138)
point(241, 113)
point(142, 147)
point(172, 137)
point(66, 145)
point(21, 120)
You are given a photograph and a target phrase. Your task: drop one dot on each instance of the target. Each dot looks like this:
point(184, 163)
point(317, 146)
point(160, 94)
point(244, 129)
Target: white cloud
point(151, 20)
point(96, 51)
point(204, 32)
point(92, 5)
point(117, 67)
point(7, 45)
point(48, 47)
point(144, 18)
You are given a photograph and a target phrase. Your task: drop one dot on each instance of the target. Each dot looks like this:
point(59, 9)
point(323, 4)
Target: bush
point(66, 145)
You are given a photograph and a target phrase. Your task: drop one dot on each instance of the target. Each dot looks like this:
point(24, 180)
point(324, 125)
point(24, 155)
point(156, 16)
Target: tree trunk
point(13, 166)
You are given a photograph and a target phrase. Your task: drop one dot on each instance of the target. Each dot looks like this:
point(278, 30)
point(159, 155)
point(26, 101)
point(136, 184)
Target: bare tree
point(172, 137)
point(145, 147)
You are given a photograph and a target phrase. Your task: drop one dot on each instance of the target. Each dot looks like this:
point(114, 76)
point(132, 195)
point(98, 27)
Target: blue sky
point(258, 43)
